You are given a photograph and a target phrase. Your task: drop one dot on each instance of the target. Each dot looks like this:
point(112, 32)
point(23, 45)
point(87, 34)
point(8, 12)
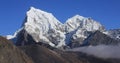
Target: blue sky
point(12, 12)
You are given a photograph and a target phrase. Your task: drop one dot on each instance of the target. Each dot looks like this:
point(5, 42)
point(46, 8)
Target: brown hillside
point(11, 54)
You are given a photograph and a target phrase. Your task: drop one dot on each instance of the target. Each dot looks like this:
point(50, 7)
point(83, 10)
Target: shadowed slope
point(11, 54)
point(99, 38)
point(41, 54)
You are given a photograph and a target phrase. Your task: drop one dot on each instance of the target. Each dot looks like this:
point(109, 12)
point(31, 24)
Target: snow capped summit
point(74, 22)
point(79, 28)
point(82, 22)
point(44, 27)
point(43, 20)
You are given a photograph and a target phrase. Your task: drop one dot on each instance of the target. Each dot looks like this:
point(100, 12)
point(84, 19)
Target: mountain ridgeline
point(41, 26)
point(44, 39)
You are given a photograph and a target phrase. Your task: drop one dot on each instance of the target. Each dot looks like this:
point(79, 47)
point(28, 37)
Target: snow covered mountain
point(114, 33)
point(78, 28)
point(44, 27)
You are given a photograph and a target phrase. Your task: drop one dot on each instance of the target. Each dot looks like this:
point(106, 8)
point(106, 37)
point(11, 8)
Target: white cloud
point(101, 51)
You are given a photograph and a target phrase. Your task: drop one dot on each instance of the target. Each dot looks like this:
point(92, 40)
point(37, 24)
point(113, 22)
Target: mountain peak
point(78, 21)
point(33, 9)
point(75, 18)
point(78, 16)
point(44, 27)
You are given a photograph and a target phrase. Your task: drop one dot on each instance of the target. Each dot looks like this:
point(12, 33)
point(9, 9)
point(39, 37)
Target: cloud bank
point(101, 51)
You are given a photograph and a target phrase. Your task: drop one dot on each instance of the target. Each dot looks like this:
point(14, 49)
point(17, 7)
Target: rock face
point(23, 38)
point(44, 27)
point(98, 38)
point(11, 54)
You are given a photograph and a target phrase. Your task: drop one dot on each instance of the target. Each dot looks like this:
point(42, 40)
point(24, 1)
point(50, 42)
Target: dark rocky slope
point(11, 54)
point(98, 38)
point(41, 54)
point(23, 38)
